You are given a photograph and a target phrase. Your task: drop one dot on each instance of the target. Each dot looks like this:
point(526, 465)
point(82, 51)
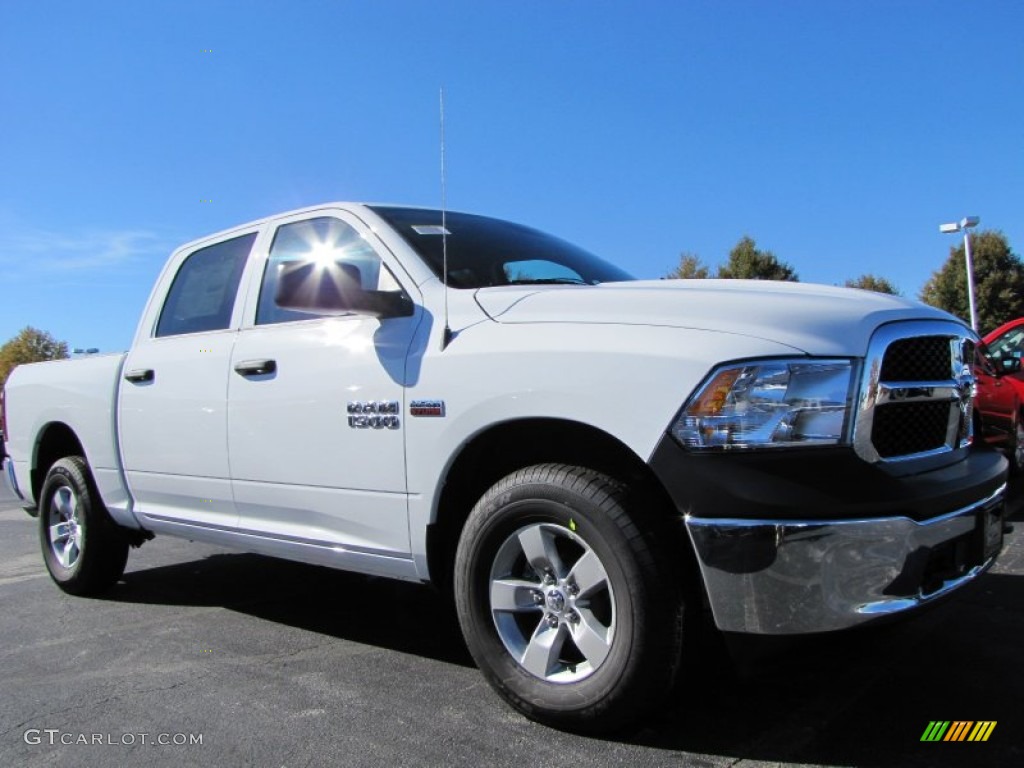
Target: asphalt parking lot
point(233, 659)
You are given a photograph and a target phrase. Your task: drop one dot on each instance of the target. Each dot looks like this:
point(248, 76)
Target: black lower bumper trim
point(818, 484)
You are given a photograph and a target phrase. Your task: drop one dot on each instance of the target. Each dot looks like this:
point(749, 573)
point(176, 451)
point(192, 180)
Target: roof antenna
point(446, 337)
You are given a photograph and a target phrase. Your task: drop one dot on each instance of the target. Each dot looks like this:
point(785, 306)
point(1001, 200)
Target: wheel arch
point(511, 445)
point(55, 441)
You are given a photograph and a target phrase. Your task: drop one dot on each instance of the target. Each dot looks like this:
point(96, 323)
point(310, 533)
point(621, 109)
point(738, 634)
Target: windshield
point(484, 252)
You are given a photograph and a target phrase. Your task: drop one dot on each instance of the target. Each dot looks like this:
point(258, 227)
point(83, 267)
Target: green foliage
point(873, 283)
point(690, 268)
point(747, 262)
point(998, 282)
point(30, 346)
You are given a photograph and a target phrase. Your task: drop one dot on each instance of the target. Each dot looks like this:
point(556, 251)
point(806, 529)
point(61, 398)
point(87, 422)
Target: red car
point(1001, 391)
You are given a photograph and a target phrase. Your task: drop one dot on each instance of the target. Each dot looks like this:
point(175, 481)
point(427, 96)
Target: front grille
point(901, 429)
point(916, 392)
point(924, 358)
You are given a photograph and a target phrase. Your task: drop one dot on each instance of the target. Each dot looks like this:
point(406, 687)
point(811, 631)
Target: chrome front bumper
point(791, 577)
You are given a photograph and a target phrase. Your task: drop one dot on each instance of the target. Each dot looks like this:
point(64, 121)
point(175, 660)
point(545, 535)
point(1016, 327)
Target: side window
point(203, 293)
point(324, 238)
point(1010, 344)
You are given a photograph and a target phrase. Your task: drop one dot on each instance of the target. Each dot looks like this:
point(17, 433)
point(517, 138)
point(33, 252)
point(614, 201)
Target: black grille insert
point(924, 358)
point(904, 428)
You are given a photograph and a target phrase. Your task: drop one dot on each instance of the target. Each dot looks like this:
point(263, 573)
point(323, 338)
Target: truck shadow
point(364, 609)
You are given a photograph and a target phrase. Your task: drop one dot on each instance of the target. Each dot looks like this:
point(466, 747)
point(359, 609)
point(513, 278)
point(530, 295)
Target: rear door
point(315, 406)
point(172, 407)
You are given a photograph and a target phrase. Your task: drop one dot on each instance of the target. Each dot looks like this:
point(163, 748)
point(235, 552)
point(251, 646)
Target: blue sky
point(838, 134)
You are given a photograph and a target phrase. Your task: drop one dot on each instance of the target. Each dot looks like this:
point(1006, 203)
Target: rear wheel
point(567, 599)
point(84, 550)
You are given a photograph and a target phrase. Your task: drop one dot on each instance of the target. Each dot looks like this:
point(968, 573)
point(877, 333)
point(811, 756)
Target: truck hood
point(814, 319)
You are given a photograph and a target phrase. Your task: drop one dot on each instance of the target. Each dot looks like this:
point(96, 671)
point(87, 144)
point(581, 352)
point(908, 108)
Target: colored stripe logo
point(958, 730)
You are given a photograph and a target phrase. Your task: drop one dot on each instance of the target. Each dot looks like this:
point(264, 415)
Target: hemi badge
point(426, 408)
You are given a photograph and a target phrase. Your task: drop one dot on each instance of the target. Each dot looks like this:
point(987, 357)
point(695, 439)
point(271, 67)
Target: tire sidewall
point(1016, 464)
point(61, 476)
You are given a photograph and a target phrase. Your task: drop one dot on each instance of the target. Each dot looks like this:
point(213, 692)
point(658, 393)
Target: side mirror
point(334, 289)
point(1010, 365)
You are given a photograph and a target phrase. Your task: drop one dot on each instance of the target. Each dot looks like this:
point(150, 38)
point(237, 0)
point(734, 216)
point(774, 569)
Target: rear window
point(202, 296)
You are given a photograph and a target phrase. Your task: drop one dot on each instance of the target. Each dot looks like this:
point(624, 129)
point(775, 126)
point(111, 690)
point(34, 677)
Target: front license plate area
point(989, 532)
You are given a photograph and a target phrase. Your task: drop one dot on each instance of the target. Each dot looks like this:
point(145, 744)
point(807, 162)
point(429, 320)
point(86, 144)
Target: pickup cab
point(585, 461)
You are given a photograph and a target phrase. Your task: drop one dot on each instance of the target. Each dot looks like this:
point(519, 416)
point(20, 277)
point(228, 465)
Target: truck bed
point(77, 395)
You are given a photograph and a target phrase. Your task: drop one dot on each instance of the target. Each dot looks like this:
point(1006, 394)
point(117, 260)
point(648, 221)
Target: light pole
point(964, 225)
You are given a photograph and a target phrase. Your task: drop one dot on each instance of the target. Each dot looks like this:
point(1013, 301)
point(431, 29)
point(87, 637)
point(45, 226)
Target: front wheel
point(84, 550)
point(1016, 451)
point(567, 599)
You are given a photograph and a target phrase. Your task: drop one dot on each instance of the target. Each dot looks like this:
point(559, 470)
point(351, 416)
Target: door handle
point(256, 367)
point(140, 375)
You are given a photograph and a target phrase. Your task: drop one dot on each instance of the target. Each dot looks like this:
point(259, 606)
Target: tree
point(874, 283)
point(30, 346)
point(747, 262)
point(690, 268)
point(998, 282)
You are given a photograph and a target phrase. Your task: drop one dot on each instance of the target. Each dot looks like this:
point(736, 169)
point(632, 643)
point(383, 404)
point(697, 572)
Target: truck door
point(315, 409)
point(172, 418)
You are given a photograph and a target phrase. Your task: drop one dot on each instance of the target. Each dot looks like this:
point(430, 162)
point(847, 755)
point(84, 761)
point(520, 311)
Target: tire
point(1015, 451)
point(84, 550)
point(568, 600)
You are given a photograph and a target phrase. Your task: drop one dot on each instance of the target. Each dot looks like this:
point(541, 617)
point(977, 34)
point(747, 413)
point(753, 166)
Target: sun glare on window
point(324, 255)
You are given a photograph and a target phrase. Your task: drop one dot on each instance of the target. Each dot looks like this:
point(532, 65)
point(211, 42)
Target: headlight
point(769, 404)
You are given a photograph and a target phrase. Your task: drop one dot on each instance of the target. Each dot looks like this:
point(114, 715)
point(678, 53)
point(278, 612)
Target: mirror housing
point(334, 289)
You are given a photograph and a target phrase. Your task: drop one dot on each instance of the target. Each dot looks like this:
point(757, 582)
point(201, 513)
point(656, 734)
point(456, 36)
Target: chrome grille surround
point(914, 403)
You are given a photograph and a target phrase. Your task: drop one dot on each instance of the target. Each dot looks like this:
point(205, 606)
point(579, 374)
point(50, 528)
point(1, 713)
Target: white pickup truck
point(584, 459)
